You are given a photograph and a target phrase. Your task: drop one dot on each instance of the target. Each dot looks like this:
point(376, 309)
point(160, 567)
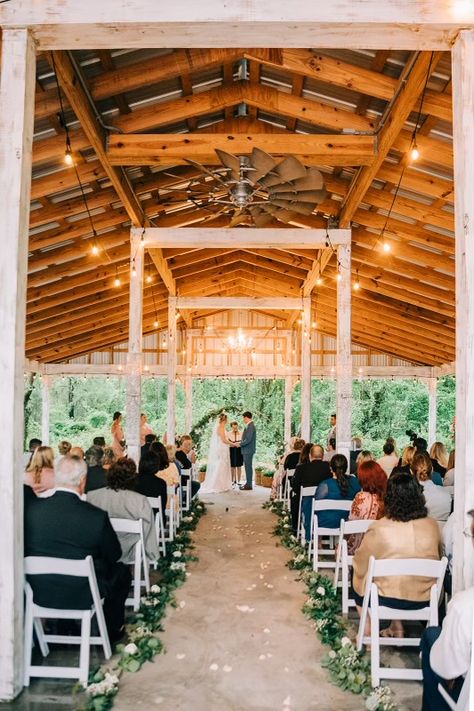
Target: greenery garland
point(142, 645)
point(348, 668)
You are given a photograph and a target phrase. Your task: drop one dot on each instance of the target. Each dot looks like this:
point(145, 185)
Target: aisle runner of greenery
point(142, 644)
point(347, 667)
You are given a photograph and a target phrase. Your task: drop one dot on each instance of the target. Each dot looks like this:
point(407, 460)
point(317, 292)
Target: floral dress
point(365, 506)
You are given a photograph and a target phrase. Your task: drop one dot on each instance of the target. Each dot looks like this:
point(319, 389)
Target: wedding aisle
point(238, 640)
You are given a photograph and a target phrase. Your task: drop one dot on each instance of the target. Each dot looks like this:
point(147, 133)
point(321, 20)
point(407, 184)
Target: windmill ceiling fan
point(251, 189)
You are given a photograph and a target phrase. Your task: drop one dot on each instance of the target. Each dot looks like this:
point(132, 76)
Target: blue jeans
point(432, 699)
point(248, 464)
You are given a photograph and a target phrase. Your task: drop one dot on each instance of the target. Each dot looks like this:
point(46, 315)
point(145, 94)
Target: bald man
point(310, 474)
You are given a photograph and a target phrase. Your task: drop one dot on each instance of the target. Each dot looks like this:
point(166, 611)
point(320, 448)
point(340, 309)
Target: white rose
point(321, 591)
point(155, 589)
point(131, 648)
point(177, 554)
point(332, 654)
point(345, 642)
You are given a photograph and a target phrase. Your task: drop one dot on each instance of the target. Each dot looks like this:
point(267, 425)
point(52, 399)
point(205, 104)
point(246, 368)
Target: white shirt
point(388, 462)
point(438, 500)
point(447, 537)
point(449, 478)
point(450, 655)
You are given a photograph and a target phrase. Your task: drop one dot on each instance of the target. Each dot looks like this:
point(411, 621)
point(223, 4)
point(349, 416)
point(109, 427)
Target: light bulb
point(116, 281)
point(319, 281)
point(386, 247)
point(148, 279)
point(95, 249)
point(134, 272)
point(313, 325)
point(155, 324)
point(177, 315)
point(146, 368)
point(339, 276)
point(414, 153)
point(356, 286)
point(68, 159)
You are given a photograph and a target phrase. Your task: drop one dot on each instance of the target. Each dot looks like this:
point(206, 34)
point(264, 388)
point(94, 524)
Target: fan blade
point(260, 218)
point(215, 215)
point(229, 161)
point(262, 162)
point(312, 196)
point(238, 219)
point(205, 170)
point(301, 208)
point(284, 216)
point(291, 169)
point(312, 181)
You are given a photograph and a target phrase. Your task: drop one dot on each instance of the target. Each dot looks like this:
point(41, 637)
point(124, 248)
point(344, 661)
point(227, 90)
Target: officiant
point(248, 446)
point(236, 457)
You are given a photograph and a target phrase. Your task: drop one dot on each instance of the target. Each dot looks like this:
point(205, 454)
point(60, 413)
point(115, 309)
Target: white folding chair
point(305, 491)
point(413, 567)
point(172, 513)
point(155, 503)
point(287, 488)
point(34, 614)
point(318, 532)
point(344, 560)
point(127, 525)
point(186, 490)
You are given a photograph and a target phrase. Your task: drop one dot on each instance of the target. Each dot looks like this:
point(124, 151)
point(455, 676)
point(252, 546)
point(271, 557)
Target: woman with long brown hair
point(40, 472)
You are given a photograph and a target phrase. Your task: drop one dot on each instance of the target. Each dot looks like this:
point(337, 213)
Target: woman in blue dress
point(342, 487)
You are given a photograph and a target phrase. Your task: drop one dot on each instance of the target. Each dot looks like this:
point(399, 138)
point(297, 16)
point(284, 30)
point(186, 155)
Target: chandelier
point(240, 342)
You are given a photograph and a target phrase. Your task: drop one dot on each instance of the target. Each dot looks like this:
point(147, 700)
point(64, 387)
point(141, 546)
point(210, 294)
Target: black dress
point(236, 458)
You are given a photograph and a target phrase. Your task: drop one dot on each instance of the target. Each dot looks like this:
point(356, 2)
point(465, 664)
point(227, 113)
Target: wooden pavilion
point(116, 270)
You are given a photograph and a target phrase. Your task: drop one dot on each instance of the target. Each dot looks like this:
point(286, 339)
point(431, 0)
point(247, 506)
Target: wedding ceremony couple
point(220, 463)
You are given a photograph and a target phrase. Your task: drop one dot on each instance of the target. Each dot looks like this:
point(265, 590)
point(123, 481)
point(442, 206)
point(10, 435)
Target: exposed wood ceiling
point(405, 305)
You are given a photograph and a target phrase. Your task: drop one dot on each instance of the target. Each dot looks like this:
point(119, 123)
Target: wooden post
point(344, 352)
point(432, 409)
point(306, 370)
point(17, 95)
point(289, 385)
point(463, 135)
point(45, 407)
point(134, 355)
point(171, 370)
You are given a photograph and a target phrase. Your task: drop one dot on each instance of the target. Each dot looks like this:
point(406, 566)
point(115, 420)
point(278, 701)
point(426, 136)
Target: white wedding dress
point(218, 474)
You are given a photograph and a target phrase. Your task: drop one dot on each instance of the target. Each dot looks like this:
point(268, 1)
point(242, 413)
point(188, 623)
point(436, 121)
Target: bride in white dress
point(218, 473)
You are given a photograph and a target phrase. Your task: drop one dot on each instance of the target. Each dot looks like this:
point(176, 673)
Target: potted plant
point(258, 475)
point(267, 478)
point(202, 472)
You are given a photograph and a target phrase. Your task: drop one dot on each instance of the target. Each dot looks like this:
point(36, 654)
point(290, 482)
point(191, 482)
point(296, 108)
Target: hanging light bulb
point(387, 247)
point(178, 315)
point(155, 324)
point(356, 285)
point(313, 324)
point(149, 279)
point(68, 159)
point(116, 280)
point(414, 153)
point(339, 276)
point(134, 270)
point(319, 281)
point(94, 250)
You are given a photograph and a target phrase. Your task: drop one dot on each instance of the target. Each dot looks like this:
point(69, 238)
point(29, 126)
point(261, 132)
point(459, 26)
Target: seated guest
point(340, 487)
point(330, 450)
point(449, 476)
point(120, 500)
point(98, 442)
point(64, 526)
point(304, 454)
point(364, 456)
point(77, 452)
point(40, 472)
point(168, 470)
point(421, 447)
point(149, 483)
point(186, 457)
point(32, 447)
point(439, 458)
point(64, 448)
point(354, 453)
point(149, 439)
point(108, 458)
point(438, 499)
point(446, 653)
point(407, 458)
point(389, 460)
point(292, 459)
point(96, 475)
point(311, 473)
point(368, 503)
point(404, 532)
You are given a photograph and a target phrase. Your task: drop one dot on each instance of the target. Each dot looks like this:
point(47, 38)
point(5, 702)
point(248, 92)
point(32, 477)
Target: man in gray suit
point(248, 446)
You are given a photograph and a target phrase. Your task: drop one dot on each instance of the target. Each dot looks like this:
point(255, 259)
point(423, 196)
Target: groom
point(248, 445)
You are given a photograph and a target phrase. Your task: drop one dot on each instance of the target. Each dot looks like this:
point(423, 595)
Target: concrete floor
point(238, 641)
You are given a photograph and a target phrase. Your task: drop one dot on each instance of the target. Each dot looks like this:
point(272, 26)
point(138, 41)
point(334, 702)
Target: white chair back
point(318, 531)
point(344, 560)
point(288, 474)
point(412, 567)
point(34, 614)
point(128, 525)
point(306, 491)
point(155, 503)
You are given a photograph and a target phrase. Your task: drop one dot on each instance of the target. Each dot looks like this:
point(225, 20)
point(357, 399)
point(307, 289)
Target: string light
point(339, 276)
point(134, 269)
point(357, 282)
point(68, 159)
point(414, 153)
point(313, 325)
point(149, 279)
point(155, 324)
point(387, 247)
point(95, 250)
point(117, 279)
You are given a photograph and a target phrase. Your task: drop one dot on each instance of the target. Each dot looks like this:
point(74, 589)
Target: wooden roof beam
point(84, 113)
point(410, 88)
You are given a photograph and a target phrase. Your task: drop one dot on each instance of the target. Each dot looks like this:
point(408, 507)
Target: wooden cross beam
point(166, 149)
point(286, 303)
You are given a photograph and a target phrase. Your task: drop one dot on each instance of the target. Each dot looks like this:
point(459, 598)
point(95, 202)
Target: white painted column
point(188, 391)
point(135, 345)
point(289, 385)
point(306, 370)
point(171, 370)
point(344, 352)
point(432, 409)
point(17, 94)
point(463, 134)
point(46, 383)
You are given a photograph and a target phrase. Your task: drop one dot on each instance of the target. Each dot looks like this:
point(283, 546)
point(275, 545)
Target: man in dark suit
point(248, 445)
point(96, 474)
point(64, 526)
point(354, 453)
point(311, 474)
point(186, 457)
point(149, 439)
